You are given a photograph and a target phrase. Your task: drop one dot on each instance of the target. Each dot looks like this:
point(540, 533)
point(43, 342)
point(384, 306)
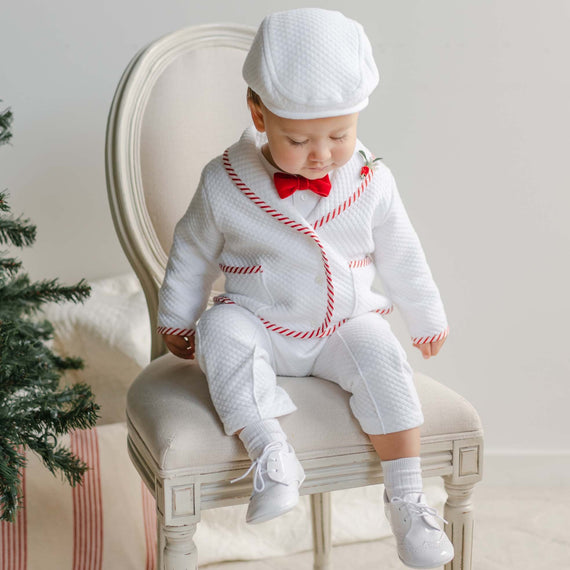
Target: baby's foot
point(421, 541)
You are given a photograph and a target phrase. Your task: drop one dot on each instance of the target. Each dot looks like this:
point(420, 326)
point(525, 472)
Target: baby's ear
point(256, 115)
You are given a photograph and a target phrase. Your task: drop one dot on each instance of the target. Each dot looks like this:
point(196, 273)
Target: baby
point(300, 217)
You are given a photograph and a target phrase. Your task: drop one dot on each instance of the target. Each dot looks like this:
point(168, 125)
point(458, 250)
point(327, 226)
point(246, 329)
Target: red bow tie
point(288, 184)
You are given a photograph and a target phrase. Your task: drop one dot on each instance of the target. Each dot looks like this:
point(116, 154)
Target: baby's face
point(310, 147)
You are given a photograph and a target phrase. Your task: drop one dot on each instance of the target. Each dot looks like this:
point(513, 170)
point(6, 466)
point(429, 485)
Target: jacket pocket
point(366, 298)
point(248, 282)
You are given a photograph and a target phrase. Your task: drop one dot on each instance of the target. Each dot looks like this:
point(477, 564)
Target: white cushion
point(170, 408)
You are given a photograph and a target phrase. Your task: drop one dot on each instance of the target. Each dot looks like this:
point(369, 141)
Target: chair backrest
point(180, 102)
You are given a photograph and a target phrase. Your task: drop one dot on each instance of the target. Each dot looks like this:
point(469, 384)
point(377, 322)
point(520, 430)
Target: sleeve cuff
point(432, 338)
point(175, 331)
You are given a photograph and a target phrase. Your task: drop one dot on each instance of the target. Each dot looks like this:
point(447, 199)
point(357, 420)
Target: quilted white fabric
point(363, 357)
point(309, 63)
point(305, 275)
point(242, 384)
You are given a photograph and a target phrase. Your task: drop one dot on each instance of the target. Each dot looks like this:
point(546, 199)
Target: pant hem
point(373, 426)
point(235, 423)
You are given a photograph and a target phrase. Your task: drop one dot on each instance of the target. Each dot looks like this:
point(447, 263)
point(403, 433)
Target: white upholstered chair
point(180, 102)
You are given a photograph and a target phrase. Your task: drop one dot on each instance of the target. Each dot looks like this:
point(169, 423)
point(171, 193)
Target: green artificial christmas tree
point(36, 407)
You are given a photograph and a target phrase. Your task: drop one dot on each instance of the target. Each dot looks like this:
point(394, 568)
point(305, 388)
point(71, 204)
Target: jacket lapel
point(244, 159)
point(345, 182)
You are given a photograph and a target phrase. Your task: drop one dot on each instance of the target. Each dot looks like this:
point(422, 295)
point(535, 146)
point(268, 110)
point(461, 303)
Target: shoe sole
point(270, 516)
point(427, 567)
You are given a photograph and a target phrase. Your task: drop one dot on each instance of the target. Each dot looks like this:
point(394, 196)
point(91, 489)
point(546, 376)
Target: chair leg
point(321, 515)
point(458, 512)
point(176, 548)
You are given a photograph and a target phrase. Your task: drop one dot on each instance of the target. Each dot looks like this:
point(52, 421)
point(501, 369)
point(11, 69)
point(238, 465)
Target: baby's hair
point(253, 97)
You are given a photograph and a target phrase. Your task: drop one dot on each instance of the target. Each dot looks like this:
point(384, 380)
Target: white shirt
point(304, 201)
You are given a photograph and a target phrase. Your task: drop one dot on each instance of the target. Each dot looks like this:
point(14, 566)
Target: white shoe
point(276, 481)
point(421, 541)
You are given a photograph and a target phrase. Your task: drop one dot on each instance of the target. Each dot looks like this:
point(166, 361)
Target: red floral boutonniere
point(369, 164)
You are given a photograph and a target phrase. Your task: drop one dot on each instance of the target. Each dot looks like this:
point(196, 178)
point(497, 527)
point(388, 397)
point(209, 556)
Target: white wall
point(471, 114)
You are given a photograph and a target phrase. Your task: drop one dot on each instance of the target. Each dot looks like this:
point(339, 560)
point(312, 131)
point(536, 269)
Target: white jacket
point(301, 277)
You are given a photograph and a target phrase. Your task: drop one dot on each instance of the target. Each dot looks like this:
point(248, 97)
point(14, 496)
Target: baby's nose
point(320, 153)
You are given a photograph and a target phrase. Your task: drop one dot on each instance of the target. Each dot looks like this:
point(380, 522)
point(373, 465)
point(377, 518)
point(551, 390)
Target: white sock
point(257, 435)
point(402, 476)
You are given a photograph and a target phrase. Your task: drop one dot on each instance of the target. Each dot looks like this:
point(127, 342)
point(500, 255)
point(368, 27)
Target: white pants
point(241, 359)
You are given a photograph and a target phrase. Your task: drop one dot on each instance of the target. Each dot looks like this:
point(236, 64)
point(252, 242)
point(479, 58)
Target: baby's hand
point(181, 346)
point(430, 348)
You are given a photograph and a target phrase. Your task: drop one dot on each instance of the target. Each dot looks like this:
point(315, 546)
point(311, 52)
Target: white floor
point(515, 528)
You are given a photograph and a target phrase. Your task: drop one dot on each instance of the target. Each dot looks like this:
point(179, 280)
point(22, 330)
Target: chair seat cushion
point(169, 409)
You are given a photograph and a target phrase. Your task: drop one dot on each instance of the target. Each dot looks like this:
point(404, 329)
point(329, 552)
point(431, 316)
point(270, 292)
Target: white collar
point(271, 170)
point(244, 159)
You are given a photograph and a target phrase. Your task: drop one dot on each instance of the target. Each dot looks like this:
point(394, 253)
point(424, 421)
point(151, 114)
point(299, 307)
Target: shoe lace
point(419, 508)
point(259, 466)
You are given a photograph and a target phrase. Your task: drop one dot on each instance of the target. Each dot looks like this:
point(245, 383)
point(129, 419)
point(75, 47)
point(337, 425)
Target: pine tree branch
point(21, 296)
point(60, 417)
point(35, 408)
point(3, 202)
point(37, 428)
point(6, 119)
point(68, 363)
point(28, 366)
point(17, 332)
point(69, 465)
point(12, 463)
point(19, 232)
point(9, 265)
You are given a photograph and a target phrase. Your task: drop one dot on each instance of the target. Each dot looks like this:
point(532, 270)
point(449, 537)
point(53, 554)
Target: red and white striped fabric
point(358, 263)
point(431, 338)
point(107, 522)
point(346, 204)
point(241, 270)
point(13, 538)
point(175, 331)
point(87, 504)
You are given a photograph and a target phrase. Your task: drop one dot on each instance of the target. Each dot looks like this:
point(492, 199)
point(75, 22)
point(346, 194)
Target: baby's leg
point(395, 445)
point(366, 359)
point(234, 352)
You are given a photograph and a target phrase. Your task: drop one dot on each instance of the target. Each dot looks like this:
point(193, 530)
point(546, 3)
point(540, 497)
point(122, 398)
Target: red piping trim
point(175, 331)
point(241, 270)
point(297, 334)
point(428, 339)
point(346, 204)
point(386, 311)
point(297, 227)
point(358, 263)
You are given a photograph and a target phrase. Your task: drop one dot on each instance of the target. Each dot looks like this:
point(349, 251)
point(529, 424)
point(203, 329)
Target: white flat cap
point(311, 63)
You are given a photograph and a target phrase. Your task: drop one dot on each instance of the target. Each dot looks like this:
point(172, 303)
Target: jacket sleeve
point(192, 267)
point(403, 269)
